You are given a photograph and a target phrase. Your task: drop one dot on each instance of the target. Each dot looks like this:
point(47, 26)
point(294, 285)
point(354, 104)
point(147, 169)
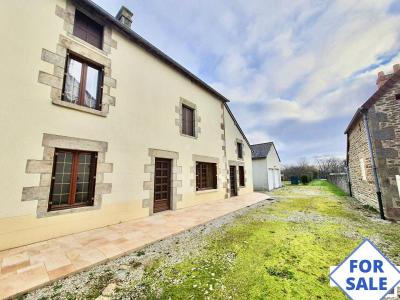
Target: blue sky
point(295, 71)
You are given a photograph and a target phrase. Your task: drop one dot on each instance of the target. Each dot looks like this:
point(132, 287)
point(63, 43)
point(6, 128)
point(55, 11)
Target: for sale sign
point(366, 273)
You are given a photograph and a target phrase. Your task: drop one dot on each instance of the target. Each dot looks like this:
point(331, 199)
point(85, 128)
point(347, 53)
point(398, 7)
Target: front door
point(162, 185)
point(232, 179)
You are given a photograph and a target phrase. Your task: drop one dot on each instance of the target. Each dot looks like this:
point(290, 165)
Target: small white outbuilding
point(266, 167)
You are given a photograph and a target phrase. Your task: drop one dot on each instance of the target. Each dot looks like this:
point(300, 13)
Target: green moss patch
point(281, 251)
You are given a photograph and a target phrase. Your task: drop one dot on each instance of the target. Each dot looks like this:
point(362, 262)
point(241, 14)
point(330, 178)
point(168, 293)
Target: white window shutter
point(398, 182)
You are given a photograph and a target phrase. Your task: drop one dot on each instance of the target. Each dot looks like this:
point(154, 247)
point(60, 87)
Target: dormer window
point(88, 30)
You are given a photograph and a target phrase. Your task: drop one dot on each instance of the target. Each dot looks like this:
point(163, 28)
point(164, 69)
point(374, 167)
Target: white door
point(276, 179)
point(271, 179)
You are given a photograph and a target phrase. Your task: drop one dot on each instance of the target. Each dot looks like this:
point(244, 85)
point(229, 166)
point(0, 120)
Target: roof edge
point(373, 99)
point(129, 33)
point(237, 124)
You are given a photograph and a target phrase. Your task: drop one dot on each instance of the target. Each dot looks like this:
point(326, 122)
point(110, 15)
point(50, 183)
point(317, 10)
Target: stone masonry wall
point(363, 190)
point(385, 131)
point(340, 180)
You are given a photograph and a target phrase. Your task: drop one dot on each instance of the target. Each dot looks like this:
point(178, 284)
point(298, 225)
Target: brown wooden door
point(162, 185)
point(232, 179)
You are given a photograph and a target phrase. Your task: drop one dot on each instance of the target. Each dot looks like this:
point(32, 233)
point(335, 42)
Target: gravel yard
point(279, 249)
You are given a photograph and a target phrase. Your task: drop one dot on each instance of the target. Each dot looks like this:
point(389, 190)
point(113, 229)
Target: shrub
point(304, 179)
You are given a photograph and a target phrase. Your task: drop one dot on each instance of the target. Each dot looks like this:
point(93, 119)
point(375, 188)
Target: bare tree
point(331, 164)
point(302, 167)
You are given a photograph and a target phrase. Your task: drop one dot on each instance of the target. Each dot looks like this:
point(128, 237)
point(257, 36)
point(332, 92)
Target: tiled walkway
point(25, 268)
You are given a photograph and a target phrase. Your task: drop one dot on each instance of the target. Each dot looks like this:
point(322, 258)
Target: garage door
point(271, 178)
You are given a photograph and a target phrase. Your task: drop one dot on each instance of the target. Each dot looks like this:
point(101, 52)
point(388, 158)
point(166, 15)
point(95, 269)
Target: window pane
point(83, 178)
point(241, 175)
point(62, 180)
point(92, 87)
point(206, 176)
point(72, 81)
point(187, 120)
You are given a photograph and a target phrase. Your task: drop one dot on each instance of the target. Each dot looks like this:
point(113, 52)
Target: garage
point(266, 167)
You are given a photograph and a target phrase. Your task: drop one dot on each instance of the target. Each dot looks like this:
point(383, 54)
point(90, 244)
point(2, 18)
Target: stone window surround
point(44, 167)
point(225, 183)
point(84, 49)
point(206, 159)
point(197, 119)
point(148, 185)
point(237, 164)
point(236, 150)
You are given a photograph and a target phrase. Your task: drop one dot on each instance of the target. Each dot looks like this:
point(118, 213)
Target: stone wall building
point(376, 127)
point(100, 127)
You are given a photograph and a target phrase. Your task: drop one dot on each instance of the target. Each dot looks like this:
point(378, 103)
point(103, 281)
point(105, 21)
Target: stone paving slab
point(26, 268)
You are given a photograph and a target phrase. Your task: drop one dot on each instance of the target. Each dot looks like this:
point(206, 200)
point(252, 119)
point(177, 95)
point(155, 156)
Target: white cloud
point(298, 62)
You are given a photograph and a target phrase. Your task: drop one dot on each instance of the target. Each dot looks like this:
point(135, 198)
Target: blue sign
point(366, 274)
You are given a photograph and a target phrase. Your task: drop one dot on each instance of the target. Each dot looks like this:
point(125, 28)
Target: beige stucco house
point(101, 127)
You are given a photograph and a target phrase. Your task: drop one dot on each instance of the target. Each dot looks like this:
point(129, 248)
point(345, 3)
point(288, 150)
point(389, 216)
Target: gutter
point(364, 113)
point(348, 169)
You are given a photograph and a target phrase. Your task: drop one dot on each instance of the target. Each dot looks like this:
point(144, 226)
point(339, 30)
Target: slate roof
point(133, 36)
point(262, 150)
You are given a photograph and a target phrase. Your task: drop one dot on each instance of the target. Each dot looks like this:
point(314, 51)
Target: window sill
point(207, 191)
point(68, 211)
point(102, 113)
point(189, 136)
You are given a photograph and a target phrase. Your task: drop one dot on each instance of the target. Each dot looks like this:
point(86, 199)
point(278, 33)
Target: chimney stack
point(124, 15)
point(382, 77)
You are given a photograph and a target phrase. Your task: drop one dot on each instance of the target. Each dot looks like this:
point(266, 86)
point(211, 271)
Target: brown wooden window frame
point(82, 84)
point(188, 126)
point(241, 176)
point(206, 176)
point(74, 179)
point(239, 147)
point(88, 26)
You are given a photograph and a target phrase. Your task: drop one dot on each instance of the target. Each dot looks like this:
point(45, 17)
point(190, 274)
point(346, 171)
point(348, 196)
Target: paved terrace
point(29, 267)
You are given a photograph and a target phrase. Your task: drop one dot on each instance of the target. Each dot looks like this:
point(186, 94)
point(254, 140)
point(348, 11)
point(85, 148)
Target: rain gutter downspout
point(374, 169)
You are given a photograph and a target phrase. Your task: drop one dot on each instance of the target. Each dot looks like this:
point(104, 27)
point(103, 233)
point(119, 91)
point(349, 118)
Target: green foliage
point(304, 179)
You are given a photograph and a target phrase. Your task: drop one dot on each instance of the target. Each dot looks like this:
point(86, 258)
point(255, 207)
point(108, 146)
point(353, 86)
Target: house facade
point(266, 167)
point(101, 127)
point(373, 148)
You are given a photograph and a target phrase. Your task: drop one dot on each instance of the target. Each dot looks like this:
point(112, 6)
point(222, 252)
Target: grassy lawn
point(281, 250)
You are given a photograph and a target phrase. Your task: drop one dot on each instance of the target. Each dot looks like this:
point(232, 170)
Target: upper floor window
point(206, 176)
point(241, 176)
point(188, 120)
point(88, 30)
point(73, 179)
point(239, 150)
point(83, 82)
